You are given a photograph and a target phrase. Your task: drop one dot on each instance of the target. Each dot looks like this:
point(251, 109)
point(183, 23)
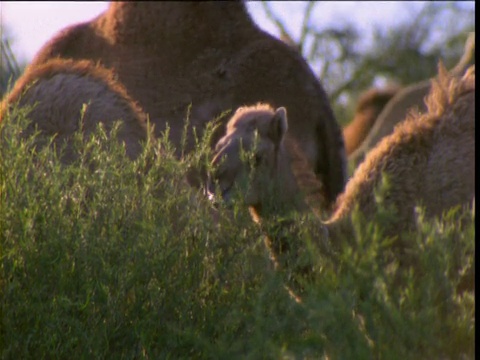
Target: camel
point(212, 56)
point(277, 157)
point(429, 160)
point(369, 106)
point(60, 88)
point(410, 98)
point(427, 154)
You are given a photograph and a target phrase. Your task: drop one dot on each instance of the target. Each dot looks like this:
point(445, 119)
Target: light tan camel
point(429, 161)
point(60, 88)
point(211, 55)
point(407, 99)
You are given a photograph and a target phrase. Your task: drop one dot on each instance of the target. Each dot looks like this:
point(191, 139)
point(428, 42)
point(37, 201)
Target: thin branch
point(10, 58)
point(467, 55)
point(275, 19)
point(306, 19)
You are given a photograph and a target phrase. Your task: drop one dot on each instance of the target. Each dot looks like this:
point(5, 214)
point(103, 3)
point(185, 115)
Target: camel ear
point(278, 125)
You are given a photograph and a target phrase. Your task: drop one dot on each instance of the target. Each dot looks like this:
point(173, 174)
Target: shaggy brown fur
point(410, 98)
point(211, 55)
point(60, 88)
point(429, 160)
point(369, 106)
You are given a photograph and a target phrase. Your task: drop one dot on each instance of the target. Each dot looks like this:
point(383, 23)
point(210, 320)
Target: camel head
point(247, 157)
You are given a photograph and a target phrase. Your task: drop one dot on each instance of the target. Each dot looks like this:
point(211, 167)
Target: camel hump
point(66, 43)
point(69, 95)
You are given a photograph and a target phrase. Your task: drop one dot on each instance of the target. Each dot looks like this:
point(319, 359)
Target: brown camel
point(369, 106)
point(429, 160)
point(60, 88)
point(211, 55)
point(407, 99)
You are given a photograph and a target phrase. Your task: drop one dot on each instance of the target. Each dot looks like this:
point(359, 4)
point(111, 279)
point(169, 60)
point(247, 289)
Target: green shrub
point(111, 258)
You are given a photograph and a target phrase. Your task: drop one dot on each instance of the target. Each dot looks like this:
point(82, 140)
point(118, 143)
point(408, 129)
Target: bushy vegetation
point(111, 258)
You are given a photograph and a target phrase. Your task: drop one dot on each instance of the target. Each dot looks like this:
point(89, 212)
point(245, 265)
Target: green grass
point(110, 258)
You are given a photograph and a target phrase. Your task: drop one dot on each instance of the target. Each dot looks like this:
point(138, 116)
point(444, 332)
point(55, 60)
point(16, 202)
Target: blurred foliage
point(10, 69)
point(405, 53)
